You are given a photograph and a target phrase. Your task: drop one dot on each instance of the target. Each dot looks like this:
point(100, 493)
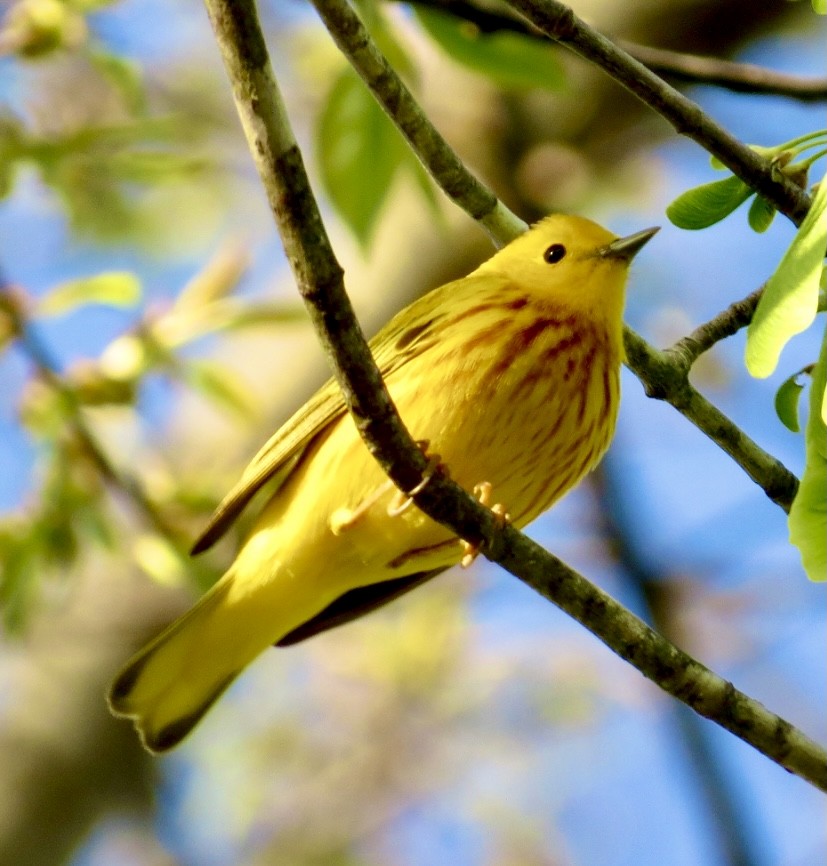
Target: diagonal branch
point(13, 304)
point(663, 376)
point(320, 281)
point(559, 23)
point(691, 68)
point(738, 77)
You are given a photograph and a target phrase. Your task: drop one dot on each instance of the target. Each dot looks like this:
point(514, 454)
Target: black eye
point(554, 253)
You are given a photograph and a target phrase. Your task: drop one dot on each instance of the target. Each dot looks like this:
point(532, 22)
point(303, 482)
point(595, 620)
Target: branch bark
point(280, 165)
point(560, 23)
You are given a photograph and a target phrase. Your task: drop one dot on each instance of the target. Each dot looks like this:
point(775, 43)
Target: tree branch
point(738, 77)
point(558, 22)
point(661, 378)
point(691, 68)
point(665, 376)
point(296, 214)
point(13, 303)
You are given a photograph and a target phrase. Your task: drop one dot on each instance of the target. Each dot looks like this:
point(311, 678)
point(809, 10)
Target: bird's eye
point(554, 253)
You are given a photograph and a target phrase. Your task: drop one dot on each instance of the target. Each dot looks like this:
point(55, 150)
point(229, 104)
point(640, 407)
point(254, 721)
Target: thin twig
point(13, 305)
point(272, 143)
point(436, 155)
point(738, 77)
point(558, 22)
point(651, 366)
point(692, 68)
point(738, 315)
point(665, 377)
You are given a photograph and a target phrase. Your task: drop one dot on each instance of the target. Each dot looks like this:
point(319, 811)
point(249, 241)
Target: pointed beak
point(627, 248)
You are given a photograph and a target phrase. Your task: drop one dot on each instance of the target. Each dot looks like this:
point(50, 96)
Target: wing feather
point(403, 337)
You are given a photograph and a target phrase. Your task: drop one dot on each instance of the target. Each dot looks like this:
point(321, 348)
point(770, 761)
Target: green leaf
point(705, 205)
point(808, 516)
point(819, 6)
point(508, 59)
point(113, 288)
point(786, 402)
point(761, 214)
point(222, 386)
point(359, 151)
point(790, 299)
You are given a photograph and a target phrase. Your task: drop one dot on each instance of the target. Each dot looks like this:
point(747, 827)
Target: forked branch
point(320, 282)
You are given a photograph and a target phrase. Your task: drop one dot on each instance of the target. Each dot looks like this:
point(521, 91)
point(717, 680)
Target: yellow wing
point(409, 333)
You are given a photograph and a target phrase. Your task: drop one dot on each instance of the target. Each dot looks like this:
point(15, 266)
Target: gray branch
point(319, 278)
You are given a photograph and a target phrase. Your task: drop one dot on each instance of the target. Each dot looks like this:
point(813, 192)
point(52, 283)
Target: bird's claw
point(401, 502)
point(482, 492)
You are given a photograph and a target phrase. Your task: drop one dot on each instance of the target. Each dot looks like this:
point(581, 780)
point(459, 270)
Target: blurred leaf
point(790, 299)
point(180, 327)
point(705, 205)
point(359, 151)
point(216, 279)
point(124, 75)
point(508, 59)
point(808, 516)
point(786, 401)
point(18, 574)
point(761, 214)
point(35, 28)
point(93, 387)
point(220, 385)
point(113, 288)
point(159, 559)
point(125, 358)
point(109, 176)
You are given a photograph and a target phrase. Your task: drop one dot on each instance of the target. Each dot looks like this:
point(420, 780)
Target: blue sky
point(695, 513)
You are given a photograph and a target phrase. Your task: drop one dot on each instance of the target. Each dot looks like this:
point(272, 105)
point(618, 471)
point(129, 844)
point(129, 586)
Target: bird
point(508, 377)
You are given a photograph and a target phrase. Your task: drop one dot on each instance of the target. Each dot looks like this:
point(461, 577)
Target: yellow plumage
point(511, 374)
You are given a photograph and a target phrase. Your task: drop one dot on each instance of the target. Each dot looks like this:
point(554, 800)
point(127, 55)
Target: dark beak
point(627, 248)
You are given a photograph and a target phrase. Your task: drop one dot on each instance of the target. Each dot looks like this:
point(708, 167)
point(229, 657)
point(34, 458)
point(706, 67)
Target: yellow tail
point(169, 685)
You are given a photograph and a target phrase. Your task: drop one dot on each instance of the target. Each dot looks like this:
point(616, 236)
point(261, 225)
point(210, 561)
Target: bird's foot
point(482, 492)
point(401, 502)
point(345, 518)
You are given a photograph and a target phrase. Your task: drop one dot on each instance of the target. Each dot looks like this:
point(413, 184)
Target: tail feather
point(168, 686)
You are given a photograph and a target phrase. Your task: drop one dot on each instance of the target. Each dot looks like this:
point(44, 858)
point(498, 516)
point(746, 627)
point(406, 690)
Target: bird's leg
point(345, 518)
point(482, 492)
point(401, 502)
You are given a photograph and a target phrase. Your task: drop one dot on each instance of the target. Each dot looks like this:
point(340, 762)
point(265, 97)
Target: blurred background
point(470, 722)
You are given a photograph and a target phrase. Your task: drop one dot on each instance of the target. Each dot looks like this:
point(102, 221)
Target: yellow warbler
point(511, 374)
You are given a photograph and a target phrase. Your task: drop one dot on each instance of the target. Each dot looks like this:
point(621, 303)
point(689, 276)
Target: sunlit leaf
point(808, 516)
point(509, 59)
point(114, 289)
point(790, 299)
point(786, 402)
point(359, 151)
point(705, 205)
point(761, 214)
